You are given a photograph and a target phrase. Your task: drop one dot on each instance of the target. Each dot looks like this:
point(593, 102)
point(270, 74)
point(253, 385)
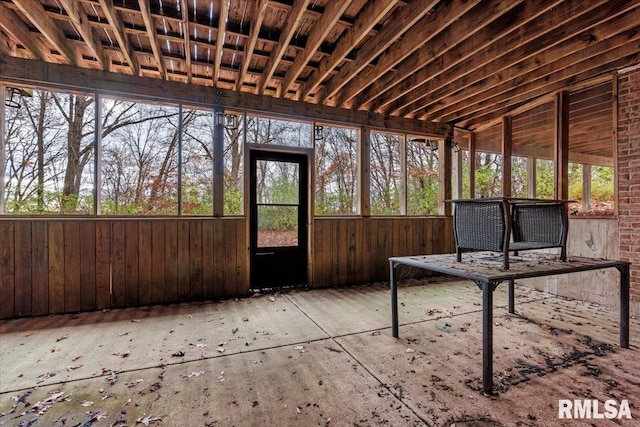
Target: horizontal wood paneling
point(357, 250)
point(51, 266)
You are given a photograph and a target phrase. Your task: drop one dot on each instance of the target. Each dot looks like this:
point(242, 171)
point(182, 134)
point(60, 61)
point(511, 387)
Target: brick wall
point(629, 174)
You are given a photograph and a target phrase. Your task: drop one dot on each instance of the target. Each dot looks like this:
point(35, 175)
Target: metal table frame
point(488, 280)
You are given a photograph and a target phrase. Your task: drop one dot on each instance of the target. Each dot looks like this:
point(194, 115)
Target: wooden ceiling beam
point(11, 23)
point(152, 34)
point(35, 12)
point(420, 34)
point(366, 20)
point(250, 45)
point(399, 22)
point(222, 27)
point(29, 72)
point(540, 34)
point(292, 22)
point(483, 26)
point(7, 45)
point(121, 36)
point(81, 22)
point(184, 10)
point(318, 33)
point(576, 50)
point(591, 67)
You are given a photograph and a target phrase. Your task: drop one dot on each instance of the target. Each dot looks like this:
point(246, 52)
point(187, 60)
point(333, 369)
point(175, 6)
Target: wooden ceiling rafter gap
point(35, 12)
point(117, 27)
point(418, 36)
point(553, 71)
point(152, 34)
point(517, 55)
point(15, 26)
point(254, 30)
point(489, 61)
point(82, 24)
point(401, 20)
point(293, 20)
point(186, 38)
point(604, 68)
point(222, 27)
point(366, 20)
point(317, 35)
point(446, 52)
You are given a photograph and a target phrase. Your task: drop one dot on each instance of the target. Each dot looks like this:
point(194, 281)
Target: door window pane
point(277, 226)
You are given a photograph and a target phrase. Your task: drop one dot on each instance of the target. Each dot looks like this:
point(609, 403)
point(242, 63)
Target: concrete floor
point(320, 357)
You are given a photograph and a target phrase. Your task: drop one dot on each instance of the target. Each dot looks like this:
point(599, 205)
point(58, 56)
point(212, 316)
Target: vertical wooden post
point(97, 158)
point(614, 138)
point(561, 154)
point(507, 150)
point(472, 165)
point(3, 96)
point(180, 130)
point(403, 174)
point(444, 171)
point(586, 187)
point(364, 171)
point(218, 161)
point(532, 190)
point(456, 175)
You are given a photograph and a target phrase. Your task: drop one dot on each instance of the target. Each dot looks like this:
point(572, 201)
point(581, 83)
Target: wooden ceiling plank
point(400, 21)
point(121, 36)
point(35, 12)
point(250, 45)
point(491, 22)
point(318, 33)
point(11, 23)
point(494, 57)
point(152, 34)
point(530, 72)
point(81, 22)
point(594, 66)
point(293, 20)
point(366, 20)
point(419, 35)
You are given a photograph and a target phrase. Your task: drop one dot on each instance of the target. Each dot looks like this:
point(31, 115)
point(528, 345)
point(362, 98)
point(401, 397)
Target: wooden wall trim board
point(66, 265)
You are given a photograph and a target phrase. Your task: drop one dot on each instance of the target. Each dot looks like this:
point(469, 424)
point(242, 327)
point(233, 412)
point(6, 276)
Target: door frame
point(277, 150)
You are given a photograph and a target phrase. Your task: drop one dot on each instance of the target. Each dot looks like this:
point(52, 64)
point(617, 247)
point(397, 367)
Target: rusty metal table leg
point(394, 298)
point(624, 305)
point(512, 298)
point(487, 335)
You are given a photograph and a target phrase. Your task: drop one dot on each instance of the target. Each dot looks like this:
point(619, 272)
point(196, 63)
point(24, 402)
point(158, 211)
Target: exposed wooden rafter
point(370, 16)
point(222, 26)
point(322, 27)
point(117, 27)
point(11, 23)
point(420, 33)
point(152, 34)
point(293, 20)
point(34, 10)
point(464, 62)
point(400, 22)
point(81, 23)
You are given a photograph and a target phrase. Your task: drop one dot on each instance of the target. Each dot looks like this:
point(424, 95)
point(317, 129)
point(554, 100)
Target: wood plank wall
point(357, 250)
point(52, 266)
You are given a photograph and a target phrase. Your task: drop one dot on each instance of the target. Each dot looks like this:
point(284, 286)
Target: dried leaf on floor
point(63, 337)
point(148, 420)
